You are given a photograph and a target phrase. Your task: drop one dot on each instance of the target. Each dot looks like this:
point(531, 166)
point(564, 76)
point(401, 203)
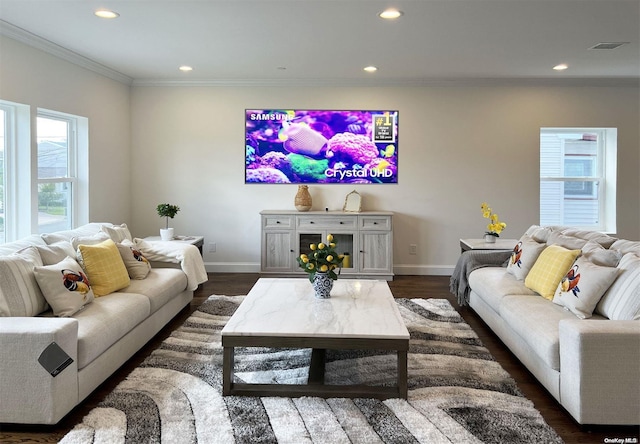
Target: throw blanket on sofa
point(472, 260)
point(186, 255)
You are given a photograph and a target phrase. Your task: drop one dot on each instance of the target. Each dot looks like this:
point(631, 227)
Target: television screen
point(321, 146)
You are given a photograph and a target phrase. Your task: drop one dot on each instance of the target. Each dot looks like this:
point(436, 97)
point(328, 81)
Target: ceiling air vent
point(608, 45)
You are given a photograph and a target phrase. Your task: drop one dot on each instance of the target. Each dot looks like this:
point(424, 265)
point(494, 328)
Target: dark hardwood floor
point(401, 286)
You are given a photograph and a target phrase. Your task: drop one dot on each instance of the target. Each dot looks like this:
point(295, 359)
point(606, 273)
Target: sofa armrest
point(29, 394)
point(600, 370)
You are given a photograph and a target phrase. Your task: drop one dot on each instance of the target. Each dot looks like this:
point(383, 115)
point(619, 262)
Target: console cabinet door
point(375, 252)
point(278, 254)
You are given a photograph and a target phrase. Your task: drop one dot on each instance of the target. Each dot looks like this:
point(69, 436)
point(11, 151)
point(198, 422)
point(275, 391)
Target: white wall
point(32, 77)
point(458, 146)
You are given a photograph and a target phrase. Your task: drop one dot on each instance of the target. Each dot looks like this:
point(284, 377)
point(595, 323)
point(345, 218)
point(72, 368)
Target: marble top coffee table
point(360, 315)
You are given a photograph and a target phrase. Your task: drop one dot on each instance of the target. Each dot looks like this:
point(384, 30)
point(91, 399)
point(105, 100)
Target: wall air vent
point(608, 45)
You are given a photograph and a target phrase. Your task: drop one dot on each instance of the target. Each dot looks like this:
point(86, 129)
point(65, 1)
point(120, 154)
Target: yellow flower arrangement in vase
point(494, 227)
point(322, 259)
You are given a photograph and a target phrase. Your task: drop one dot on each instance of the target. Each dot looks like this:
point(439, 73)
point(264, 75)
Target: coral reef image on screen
point(321, 146)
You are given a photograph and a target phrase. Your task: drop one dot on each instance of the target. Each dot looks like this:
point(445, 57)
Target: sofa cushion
point(65, 286)
point(523, 257)
point(160, 285)
point(603, 239)
point(12, 247)
point(552, 264)
point(117, 233)
point(538, 233)
point(102, 323)
point(492, 284)
point(583, 286)
point(20, 294)
point(536, 320)
point(104, 267)
point(66, 235)
point(568, 242)
point(626, 246)
point(622, 299)
point(137, 265)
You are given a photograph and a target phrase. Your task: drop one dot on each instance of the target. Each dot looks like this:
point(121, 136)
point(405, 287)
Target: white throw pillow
point(583, 286)
point(89, 240)
point(524, 255)
point(20, 294)
point(54, 253)
point(65, 286)
point(622, 300)
point(117, 233)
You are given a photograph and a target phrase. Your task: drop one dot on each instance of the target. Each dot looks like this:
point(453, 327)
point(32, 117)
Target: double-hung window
point(57, 171)
point(578, 177)
point(43, 182)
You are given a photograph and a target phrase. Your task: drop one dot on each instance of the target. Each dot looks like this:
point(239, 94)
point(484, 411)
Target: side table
point(198, 241)
point(480, 244)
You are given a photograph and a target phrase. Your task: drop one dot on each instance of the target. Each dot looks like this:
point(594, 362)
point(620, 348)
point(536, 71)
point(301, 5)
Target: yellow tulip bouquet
point(495, 227)
point(323, 258)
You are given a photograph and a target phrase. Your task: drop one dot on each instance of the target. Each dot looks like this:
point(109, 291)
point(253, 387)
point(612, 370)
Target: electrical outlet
point(413, 249)
point(212, 247)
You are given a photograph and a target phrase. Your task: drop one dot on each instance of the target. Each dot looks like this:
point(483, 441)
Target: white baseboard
point(423, 270)
point(248, 267)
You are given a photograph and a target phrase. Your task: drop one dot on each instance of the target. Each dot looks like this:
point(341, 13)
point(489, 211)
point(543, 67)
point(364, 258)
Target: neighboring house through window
point(578, 177)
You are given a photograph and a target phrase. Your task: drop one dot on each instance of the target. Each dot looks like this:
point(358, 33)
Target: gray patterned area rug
point(458, 393)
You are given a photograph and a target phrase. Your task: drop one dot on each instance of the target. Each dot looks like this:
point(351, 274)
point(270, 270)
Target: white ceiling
point(331, 41)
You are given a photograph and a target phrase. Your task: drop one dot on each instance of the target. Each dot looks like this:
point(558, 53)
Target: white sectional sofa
point(99, 338)
point(582, 343)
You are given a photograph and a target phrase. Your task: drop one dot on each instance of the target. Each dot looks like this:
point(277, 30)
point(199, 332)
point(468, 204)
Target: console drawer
point(375, 223)
point(326, 222)
point(277, 221)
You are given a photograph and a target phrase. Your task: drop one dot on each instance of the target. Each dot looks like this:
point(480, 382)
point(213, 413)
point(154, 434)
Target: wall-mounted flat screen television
point(321, 146)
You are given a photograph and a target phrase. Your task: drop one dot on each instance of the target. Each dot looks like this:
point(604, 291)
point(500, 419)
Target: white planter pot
point(166, 234)
point(490, 239)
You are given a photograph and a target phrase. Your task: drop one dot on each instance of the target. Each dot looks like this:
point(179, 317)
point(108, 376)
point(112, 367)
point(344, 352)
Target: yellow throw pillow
point(104, 266)
point(551, 266)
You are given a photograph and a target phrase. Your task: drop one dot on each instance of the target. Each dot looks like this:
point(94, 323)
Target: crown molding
point(414, 82)
point(22, 36)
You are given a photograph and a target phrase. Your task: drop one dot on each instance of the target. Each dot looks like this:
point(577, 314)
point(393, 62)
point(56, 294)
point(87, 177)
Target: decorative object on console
point(323, 260)
point(494, 227)
point(167, 211)
point(303, 200)
point(352, 202)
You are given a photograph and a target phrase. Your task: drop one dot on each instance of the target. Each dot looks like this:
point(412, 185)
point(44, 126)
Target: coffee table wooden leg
point(227, 370)
point(316, 366)
point(402, 374)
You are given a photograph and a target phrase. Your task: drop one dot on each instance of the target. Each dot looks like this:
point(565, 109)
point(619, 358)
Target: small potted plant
point(494, 227)
point(167, 211)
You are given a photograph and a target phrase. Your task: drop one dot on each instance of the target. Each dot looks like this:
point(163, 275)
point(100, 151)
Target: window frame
point(604, 177)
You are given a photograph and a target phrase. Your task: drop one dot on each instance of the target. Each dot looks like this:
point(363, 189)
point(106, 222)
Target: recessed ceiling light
point(390, 14)
point(185, 68)
point(608, 45)
point(561, 67)
point(371, 69)
point(106, 14)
